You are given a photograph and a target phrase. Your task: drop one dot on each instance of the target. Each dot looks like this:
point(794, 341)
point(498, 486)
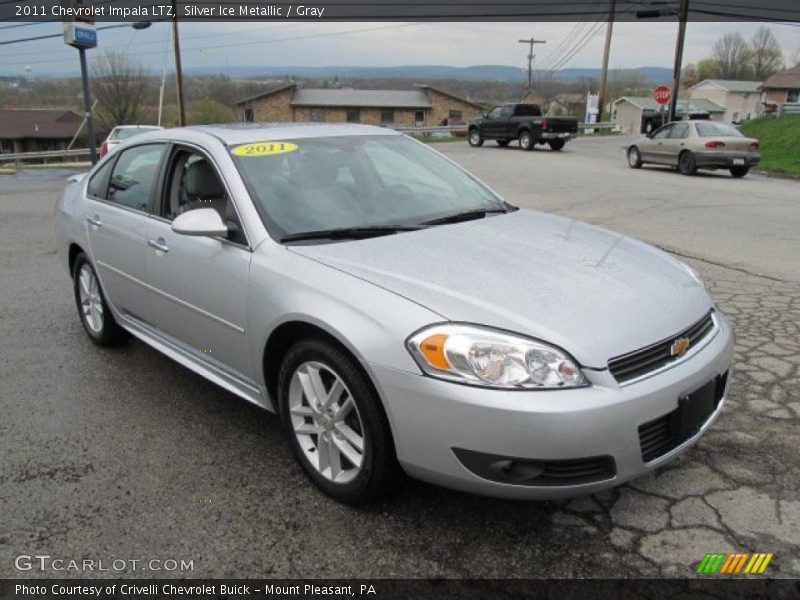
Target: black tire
point(557, 144)
point(634, 158)
point(502, 143)
point(739, 171)
point(687, 164)
point(526, 141)
point(109, 332)
point(474, 138)
point(379, 468)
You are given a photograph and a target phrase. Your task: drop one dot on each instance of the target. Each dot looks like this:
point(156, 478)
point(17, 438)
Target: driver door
point(653, 149)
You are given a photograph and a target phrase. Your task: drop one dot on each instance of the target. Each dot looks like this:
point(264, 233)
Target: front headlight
point(485, 357)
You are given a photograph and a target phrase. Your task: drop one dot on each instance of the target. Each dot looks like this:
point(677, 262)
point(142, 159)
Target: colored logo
point(734, 563)
point(264, 149)
point(680, 346)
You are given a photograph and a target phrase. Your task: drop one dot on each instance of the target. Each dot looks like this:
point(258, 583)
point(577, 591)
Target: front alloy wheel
point(634, 158)
point(337, 429)
point(526, 140)
point(326, 422)
point(474, 138)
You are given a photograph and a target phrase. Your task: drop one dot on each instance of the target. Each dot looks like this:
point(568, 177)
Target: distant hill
point(473, 73)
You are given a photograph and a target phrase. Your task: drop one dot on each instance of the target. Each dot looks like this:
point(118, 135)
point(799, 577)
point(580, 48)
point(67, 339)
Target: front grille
point(638, 363)
point(662, 435)
point(532, 472)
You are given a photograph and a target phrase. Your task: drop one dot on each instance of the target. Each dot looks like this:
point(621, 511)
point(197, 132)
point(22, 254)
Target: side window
point(679, 131)
point(507, 111)
point(98, 184)
point(134, 176)
point(193, 183)
point(495, 112)
point(662, 133)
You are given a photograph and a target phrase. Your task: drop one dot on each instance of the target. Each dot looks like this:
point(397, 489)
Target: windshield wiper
point(348, 233)
point(467, 215)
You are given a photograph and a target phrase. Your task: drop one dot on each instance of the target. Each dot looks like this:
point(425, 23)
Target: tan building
point(422, 107)
point(740, 99)
point(781, 88)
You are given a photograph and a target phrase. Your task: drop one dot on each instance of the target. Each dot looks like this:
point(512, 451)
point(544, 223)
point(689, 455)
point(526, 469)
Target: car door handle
point(94, 221)
point(158, 244)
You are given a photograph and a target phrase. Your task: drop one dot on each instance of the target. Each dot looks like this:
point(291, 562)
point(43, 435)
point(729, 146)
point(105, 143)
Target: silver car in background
point(394, 311)
point(693, 145)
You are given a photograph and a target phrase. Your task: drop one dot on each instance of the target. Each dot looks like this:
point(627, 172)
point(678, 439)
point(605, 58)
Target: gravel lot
point(124, 454)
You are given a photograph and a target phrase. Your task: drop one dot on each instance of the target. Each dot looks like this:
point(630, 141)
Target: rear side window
point(528, 110)
point(714, 129)
point(98, 184)
point(134, 176)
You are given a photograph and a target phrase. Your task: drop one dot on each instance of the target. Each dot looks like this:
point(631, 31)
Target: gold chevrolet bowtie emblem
point(680, 346)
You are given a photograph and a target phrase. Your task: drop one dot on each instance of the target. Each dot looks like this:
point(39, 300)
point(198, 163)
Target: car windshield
point(337, 183)
point(712, 129)
point(129, 132)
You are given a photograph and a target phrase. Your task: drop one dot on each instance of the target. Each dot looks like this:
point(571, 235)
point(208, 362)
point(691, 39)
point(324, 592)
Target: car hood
point(593, 292)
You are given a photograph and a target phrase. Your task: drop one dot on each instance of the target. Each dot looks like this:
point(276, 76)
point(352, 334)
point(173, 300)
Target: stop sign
point(662, 94)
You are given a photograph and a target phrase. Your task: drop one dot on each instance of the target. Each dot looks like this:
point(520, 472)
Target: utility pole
point(683, 14)
point(530, 43)
point(178, 71)
point(601, 97)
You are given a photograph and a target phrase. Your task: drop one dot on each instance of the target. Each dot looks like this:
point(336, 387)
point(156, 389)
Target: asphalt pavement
point(123, 454)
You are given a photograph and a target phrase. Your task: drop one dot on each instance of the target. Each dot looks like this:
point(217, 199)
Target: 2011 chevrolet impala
point(394, 311)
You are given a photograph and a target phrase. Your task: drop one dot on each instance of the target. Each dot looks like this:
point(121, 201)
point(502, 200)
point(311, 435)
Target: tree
point(766, 56)
point(732, 56)
point(208, 111)
point(795, 62)
point(689, 75)
point(707, 69)
point(121, 87)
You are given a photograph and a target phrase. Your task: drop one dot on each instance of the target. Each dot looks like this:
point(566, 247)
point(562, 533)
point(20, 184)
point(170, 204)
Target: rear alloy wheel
point(526, 140)
point(502, 143)
point(687, 165)
point(474, 138)
point(556, 144)
point(95, 315)
point(739, 171)
point(634, 158)
point(337, 429)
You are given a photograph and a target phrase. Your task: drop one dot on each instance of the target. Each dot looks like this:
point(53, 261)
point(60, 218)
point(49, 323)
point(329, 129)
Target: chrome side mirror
point(200, 222)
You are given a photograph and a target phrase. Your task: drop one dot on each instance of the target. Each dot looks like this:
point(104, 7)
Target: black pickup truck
point(523, 122)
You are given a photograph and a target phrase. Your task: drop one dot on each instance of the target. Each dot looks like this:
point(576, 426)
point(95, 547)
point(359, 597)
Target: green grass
point(779, 138)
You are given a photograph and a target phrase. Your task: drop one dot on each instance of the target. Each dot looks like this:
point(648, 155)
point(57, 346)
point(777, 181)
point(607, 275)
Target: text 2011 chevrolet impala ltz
point(394, 311)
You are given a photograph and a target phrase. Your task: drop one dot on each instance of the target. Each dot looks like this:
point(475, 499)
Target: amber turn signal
point(432, 349)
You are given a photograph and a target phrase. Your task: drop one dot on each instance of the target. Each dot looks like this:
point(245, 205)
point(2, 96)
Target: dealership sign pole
point(80, 32)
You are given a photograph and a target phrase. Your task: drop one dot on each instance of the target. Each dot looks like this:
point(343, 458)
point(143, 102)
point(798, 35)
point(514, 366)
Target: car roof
point(242, 133)
point(138, 127)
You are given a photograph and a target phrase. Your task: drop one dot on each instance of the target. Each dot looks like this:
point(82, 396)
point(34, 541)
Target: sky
point(224, 45)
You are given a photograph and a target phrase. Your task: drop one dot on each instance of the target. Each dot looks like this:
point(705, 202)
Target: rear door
point(120, 200)
point(199, 284)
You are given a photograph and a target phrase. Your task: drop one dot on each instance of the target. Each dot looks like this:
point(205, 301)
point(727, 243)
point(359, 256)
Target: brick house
point(36, 129)
point(424, 106)
point(781, 88)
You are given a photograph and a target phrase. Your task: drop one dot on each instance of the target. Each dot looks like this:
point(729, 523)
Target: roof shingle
point(41, 123)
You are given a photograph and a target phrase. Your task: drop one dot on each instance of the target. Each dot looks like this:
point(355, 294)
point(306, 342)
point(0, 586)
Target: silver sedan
point(692, 145)
point(396, 313)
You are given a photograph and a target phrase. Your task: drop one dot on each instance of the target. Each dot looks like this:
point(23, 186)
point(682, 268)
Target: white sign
point(79, 30)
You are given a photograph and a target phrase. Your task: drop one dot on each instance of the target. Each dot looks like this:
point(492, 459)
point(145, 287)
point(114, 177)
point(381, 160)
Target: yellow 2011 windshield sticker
point(264, 148)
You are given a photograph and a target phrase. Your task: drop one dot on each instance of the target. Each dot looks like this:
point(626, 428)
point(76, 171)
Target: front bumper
point(434, 421)
point(720, 160)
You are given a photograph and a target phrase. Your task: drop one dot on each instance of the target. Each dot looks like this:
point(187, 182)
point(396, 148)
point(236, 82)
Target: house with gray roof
point(741, 99)
point(37, 129)
point(422, 106)
point(781, 88)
